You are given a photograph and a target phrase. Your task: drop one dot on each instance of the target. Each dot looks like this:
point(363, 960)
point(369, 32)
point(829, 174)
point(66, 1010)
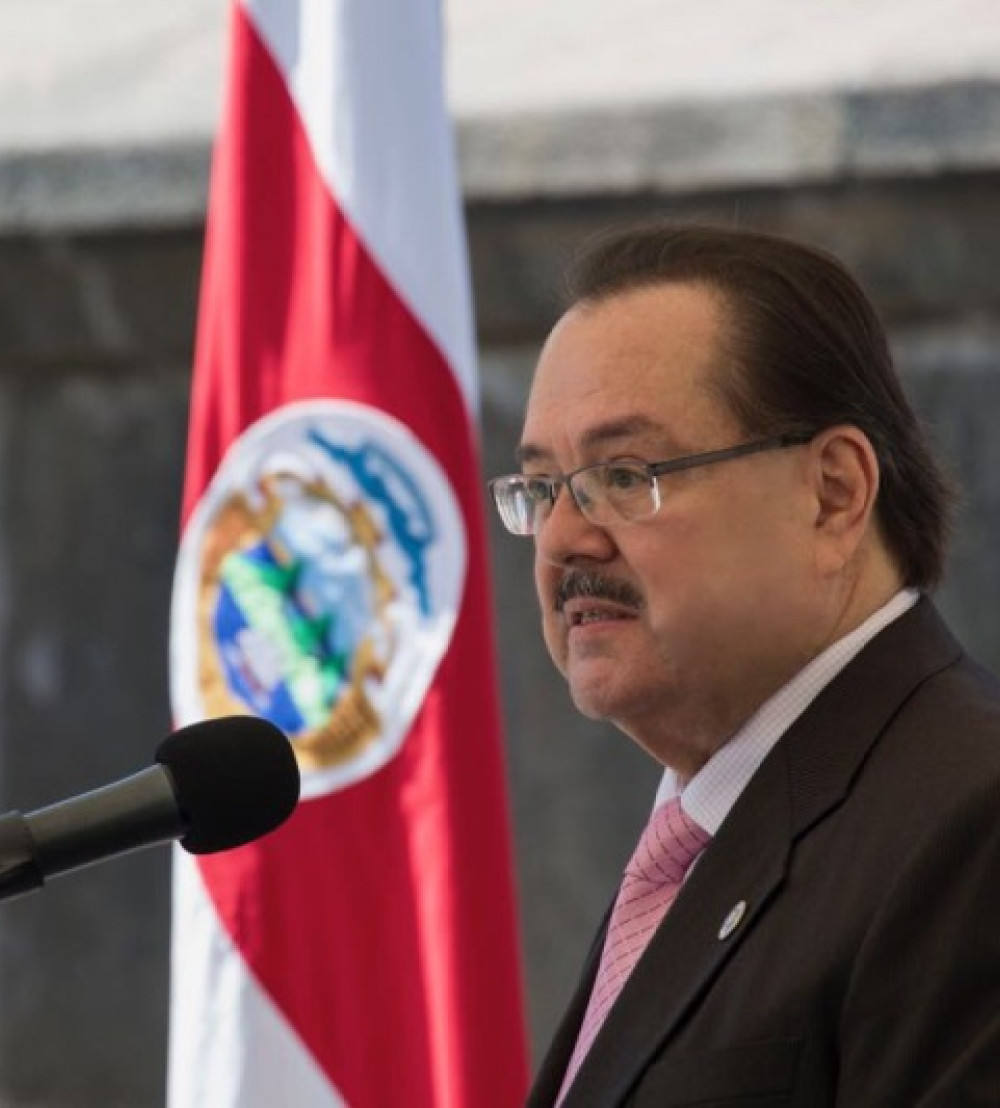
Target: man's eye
point(624, 478)
point(536, 488)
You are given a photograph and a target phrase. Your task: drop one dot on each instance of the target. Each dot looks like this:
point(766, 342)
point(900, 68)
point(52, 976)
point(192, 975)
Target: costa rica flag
point(332, 578)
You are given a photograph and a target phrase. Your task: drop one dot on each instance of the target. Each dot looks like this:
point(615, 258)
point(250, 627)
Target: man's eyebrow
point(526, 453)
point(599, 435)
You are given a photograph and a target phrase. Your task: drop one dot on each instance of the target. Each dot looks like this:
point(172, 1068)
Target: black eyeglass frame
point(652, 470)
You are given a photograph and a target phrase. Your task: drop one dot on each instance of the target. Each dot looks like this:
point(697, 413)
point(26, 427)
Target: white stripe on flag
point(240, 1048)
point(367, 81)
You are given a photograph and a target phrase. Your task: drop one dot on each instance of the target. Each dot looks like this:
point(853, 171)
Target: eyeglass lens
point(601, 492)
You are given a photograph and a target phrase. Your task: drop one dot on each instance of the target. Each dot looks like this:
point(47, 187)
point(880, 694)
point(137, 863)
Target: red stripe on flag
point(380, 918)
point(292, 307)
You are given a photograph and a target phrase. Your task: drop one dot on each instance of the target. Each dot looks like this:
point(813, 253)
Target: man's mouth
point(582, 617)
point(585, 598)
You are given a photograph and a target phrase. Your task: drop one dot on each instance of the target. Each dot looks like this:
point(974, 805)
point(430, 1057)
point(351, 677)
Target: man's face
point(677, 627)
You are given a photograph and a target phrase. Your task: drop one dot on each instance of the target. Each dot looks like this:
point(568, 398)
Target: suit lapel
point(804, 778)
point(745, 864)
point(548, 1080)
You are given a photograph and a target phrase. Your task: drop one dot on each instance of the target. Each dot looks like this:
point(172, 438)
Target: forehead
point(637, 367)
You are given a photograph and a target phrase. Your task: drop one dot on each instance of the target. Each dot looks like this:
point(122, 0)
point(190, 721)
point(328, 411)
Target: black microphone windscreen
point(235, 779)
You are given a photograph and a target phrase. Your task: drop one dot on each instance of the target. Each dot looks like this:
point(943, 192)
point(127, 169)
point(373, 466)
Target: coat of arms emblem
point(318, 584)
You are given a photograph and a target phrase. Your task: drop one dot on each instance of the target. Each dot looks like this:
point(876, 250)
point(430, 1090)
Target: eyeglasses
point(610, 492)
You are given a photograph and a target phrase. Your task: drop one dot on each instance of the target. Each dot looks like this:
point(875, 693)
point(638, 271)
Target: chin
point(593, 699)
point(587, 708)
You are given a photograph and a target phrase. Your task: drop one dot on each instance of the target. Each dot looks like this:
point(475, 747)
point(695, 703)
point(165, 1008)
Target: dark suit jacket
point(865, 971)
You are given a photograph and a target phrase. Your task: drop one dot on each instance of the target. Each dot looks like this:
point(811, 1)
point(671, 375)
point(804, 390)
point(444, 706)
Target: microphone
point(216, 785)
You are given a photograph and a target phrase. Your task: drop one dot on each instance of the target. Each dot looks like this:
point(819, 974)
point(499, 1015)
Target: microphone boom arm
point(19, 869)
point(140, 811)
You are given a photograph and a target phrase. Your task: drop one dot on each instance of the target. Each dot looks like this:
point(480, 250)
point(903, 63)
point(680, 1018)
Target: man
point(736, 521)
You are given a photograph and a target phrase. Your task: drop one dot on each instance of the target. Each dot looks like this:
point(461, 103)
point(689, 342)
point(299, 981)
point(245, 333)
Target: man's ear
point(845, 475)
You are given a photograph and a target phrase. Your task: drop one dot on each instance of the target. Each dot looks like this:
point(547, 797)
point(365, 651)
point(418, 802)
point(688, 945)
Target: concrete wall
point(94, 351)
point(97, 305)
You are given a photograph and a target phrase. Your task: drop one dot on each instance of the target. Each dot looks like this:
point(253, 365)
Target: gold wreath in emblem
point(353, 721)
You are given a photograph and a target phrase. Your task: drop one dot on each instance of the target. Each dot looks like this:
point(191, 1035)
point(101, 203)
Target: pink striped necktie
point(653, 878)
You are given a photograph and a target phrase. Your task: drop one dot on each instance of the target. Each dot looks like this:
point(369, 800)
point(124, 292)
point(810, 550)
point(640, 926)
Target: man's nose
point(565, 534)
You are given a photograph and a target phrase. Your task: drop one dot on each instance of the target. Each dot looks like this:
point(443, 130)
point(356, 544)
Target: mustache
point(596, 586)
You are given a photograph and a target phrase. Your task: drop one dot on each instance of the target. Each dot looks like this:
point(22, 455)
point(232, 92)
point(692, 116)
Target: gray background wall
point(100, 241)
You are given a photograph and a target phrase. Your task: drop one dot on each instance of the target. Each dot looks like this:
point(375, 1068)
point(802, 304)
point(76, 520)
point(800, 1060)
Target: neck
point(860, 595)
point(685, 745)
